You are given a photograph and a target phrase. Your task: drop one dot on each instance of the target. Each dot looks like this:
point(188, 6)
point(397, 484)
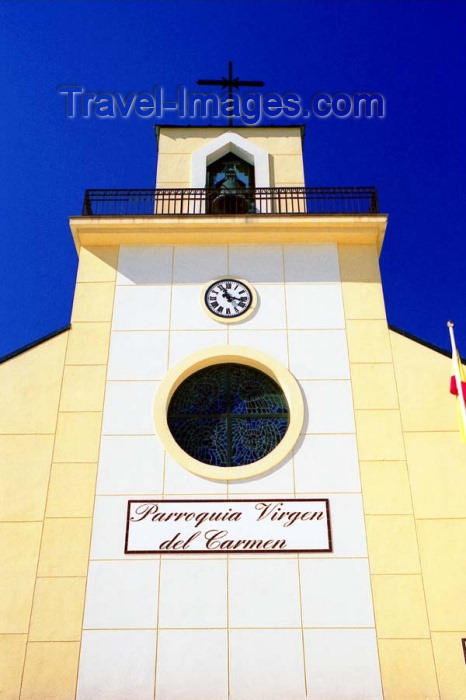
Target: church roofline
point(34, 343)
point(421, 341)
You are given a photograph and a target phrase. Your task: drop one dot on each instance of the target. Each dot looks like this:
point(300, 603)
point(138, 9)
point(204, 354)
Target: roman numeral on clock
point(227, 298)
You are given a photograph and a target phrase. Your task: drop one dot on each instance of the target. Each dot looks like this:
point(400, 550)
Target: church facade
point(229, 478)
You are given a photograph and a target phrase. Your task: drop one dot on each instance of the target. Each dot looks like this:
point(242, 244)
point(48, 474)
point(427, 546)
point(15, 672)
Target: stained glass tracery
point(228, 415)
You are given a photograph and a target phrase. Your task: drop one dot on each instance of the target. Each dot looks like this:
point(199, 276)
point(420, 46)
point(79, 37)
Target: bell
point(230, 199)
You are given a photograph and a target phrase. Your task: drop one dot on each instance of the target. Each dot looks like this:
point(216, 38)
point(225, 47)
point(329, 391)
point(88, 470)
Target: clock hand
point(225, 294)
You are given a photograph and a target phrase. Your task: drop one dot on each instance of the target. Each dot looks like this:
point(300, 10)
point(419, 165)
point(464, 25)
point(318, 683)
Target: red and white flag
point(458, 382)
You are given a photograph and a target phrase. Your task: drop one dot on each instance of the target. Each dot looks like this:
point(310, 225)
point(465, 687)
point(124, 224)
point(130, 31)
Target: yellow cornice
point(254, 230)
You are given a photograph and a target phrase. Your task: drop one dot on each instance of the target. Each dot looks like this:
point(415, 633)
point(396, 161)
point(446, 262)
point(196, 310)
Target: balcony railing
point(276, 201)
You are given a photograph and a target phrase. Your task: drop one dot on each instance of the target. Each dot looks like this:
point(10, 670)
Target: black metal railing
point(259, 201)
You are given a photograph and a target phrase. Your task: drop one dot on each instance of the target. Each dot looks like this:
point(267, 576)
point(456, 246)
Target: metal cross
point(231, 83)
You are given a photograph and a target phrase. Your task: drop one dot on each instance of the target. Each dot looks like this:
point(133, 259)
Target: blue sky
point(411, 52)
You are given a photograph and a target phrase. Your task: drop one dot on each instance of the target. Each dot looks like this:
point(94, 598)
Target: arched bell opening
point(230, 182)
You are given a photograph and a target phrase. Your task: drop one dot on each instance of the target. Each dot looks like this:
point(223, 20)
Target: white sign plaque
point(221, 527)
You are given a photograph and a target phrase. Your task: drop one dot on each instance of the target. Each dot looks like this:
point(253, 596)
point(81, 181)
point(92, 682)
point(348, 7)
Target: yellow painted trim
point(234, 319)
point(244, 356)
point(198, 230)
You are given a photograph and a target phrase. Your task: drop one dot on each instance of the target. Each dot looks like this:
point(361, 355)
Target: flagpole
point(459, 386)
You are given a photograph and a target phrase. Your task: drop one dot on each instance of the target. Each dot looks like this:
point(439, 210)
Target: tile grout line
point(227, 484)
point(303, 641)
point(228, 626)
point(287, 339)
point(164, 474)
point(414, 518)
point(157, 629)
point(97, 470)
point(223, 629)
point(43, 521)
point(367, 557)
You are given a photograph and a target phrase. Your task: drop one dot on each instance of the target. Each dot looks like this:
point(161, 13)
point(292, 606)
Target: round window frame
point(235, 319)
point(219, 355)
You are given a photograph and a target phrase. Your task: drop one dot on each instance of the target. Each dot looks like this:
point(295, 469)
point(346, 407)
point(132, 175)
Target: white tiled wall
point(138, 355)
point(122, 595)
point(193, 596)
point(264, 593)
point(266, 664)
point(117, 664)
point(342, 664)
point(326, 463)
point(341, 594)
point(145, 308)
point(318, 354)
point(192, 663)
point(243, 627)
point(130, 463)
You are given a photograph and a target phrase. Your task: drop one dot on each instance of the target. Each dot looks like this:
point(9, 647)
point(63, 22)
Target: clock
point(229, 300)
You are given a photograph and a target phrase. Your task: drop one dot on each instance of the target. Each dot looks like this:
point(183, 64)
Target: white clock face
point(228, 298)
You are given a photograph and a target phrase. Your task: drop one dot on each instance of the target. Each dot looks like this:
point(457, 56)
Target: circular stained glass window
point(228, 415)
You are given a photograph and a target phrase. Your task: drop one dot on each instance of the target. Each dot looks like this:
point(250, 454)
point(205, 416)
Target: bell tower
point(237, 299)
